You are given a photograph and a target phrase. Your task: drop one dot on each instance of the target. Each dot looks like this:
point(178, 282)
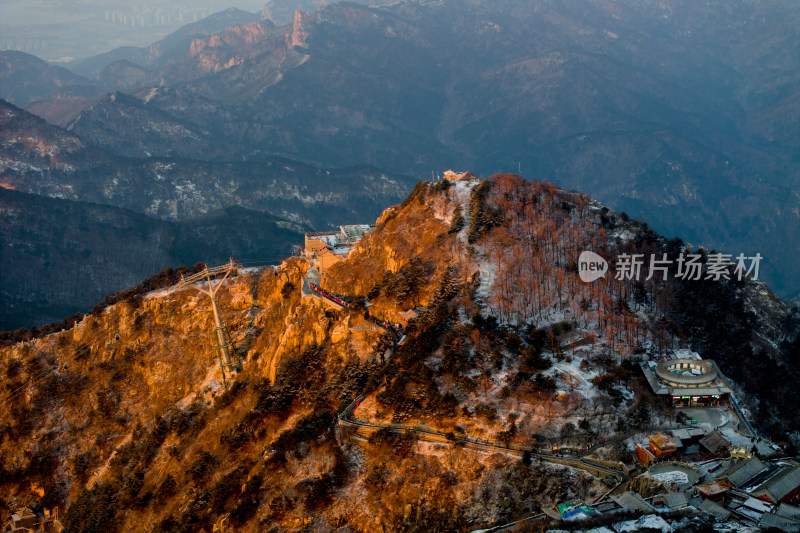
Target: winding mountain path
point(363, 427)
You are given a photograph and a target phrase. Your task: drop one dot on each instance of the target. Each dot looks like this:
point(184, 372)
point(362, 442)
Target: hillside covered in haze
point(502, 323)
point(62, 255)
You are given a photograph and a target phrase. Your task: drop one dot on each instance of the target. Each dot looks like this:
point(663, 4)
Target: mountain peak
point(452, 338)
point(299, 30)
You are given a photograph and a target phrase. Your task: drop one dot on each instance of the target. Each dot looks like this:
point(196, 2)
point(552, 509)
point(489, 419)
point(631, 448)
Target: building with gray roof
point(788, 511)
point(772, 520)
point(673, 500)
point(715, 510)
point(632, 501)
point(743, 471)
point(715, 443)
point(687, 382)
point(782, 487)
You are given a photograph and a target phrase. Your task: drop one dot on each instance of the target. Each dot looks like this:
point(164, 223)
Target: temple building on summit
point(687, 382)
point(326, 248)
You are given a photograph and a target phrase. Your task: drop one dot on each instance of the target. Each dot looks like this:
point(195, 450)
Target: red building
point(661, 445)
point(644, 456)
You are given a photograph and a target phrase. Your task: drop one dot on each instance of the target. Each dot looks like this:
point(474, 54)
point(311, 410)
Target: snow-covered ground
point(628, 395)
point(725, 421)
point(673, 476)
point(486, 276)
point(763, 447)
point(579, 379)
point(461, 196)
point(650, 521)
point(685, 353)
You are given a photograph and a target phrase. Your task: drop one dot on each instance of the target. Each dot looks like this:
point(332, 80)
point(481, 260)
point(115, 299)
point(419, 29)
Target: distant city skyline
point(68, 30)
point(47, 12)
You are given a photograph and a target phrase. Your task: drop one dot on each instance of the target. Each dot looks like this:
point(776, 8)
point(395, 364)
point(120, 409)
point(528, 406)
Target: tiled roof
point(629, 500)
point(789, 511)
point(784, 483)
point(714, 442)
point(662, 441)
point(673, 500)
point(742, 472)
point(779, 522)
point(715, 488)
point(715, 510)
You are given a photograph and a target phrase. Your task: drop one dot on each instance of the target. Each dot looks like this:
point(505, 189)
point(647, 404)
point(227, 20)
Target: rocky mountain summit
point(460, 316)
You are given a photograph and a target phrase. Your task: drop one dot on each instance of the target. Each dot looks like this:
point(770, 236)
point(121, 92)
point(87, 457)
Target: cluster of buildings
point(741, 493)
point(690, 442)
point(326, 248)
point(763, 493)
point(730, 482)
point(704, 470)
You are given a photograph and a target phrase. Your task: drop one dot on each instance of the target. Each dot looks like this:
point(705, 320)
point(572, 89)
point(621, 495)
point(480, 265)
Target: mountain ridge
point(634, 104)
point(40, 158)
point(171, 445)
point(167, 47)
point(168, 196)
point(62, 256)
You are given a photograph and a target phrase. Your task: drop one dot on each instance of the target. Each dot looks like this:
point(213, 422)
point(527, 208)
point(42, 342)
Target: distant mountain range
point(61, 254)
point(39, 158)
point(684, 112)
point(58, 94)
point(173, 45)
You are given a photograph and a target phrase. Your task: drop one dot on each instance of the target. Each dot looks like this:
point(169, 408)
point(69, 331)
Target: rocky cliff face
point(231, 47)
point(115, 372)
point(299, 33)
point(291, 330)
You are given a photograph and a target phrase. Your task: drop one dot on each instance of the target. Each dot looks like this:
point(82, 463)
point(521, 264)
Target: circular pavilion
point(686, 373)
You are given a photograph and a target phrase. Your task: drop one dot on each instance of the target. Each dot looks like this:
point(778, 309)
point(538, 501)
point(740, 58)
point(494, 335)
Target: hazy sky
point(65, 30)
point(25, 12)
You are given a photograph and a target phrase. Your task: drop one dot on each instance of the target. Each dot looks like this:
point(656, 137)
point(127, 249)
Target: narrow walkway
point(328, 298)
point(347, 419)
point(737, 410)
point(311, 288)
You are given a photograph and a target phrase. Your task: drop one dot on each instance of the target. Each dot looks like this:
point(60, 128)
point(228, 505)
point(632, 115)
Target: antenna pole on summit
point(222, 336)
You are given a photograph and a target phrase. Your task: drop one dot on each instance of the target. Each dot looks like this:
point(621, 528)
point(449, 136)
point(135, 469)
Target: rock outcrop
point(299, 30)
